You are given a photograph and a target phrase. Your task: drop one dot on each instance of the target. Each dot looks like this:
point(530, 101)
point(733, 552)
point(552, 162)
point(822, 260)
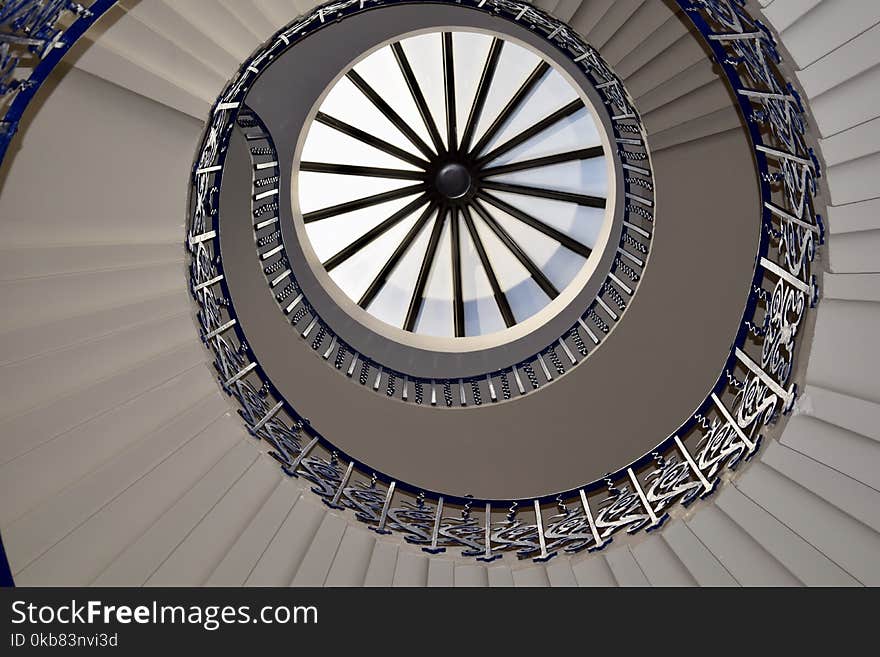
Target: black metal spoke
point(512, 105)
point(389, 113)
point(370, 140)
point(566, 241)
point(482, 93)
point(374, 233)
point(418, 295)
point(415, 91)
point(353, 170)
point(457, 182)
point(382, 277)
point(361, 203)
point(528, 133)
point(568, 156)
point(449, 85)
point(497, 292)
point(457, 293)
point(539, 192)
point(538, 276)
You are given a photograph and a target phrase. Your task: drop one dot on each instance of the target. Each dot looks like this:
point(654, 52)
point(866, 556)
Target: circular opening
point(455, 184)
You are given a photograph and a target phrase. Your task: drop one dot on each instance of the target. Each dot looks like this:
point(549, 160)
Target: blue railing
point(32, 42)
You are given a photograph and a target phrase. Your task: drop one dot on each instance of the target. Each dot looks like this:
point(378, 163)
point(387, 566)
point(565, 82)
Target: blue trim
point(42, 71)
point(6, 580)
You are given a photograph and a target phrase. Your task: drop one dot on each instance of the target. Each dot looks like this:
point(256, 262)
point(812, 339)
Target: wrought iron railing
point(34, 37)
point(753, 389)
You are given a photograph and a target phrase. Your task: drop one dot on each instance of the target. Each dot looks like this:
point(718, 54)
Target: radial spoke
point(449, 85)
point(353, 170)
point(512, 105)
point(375, 232)
point(369, 139)
point(497, 292)
point(482, 92)
point(566, 241)
point(416, 91)
point(386, 109)
point(528, 133)
point(553, 194)
point(418, 295)
point(459, 184)
point(457, 294)
point(568, 156)
point(361, 203)
point(382, 277)
point(538, 276)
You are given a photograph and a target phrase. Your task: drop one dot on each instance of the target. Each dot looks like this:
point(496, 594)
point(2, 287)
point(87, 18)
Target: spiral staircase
point(123, 463)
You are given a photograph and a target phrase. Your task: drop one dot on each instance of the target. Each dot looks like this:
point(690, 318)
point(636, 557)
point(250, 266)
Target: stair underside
point(120, 461)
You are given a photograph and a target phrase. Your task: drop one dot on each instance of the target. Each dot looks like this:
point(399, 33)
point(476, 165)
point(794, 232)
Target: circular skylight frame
point(479, 134)
point(406, 372)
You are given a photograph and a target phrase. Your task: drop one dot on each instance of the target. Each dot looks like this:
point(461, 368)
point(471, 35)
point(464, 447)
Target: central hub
point(453, 180)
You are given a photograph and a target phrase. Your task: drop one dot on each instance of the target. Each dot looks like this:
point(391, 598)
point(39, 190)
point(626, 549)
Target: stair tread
point(532, 576)
point(560, 574)
point(839, 27)
point(352, 559)
point(854, 498)
point(32, 534)
point(637, 29)
point(35, 382)
point(816, 521)
point(124, 210)
point(617, 15)
point(625, 568)
point(137, 562)
point(740, 554)
point(380, 571)
point(471, 575)
point(850, 453)
point(133, 40)
point(411, 569)
point(241, 558)
point(500, 576)
point(441, 572)
point(696, 557)
point(316, 563)
point(54, 298)
point(851, 287)
point(193, 560)
point(593, 571)
point(28, 431)
point(801, 559)
point(250, 16)
point(704, 100)
point(664, 37)
point(659, 563)
point(705, 127)
point(218, 23)
point(70, 456)
point(278, 564)
point(88, 550)
point(678, 86)
point(40, 341)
